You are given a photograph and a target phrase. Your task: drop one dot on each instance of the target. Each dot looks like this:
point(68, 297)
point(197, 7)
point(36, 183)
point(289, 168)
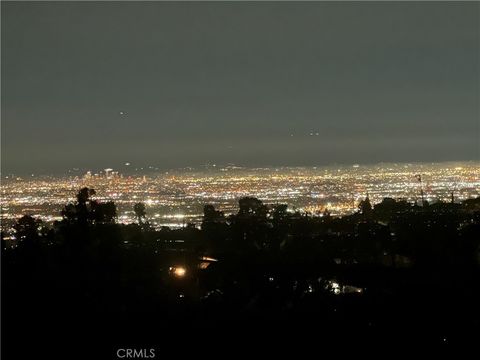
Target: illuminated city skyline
point(177, 197)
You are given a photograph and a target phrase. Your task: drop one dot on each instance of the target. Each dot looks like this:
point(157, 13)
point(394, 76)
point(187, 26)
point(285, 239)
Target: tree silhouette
point(365, 207)
point(210, 215)
point(252, 207)
point(27, 230)
point(140, 212)
point(4, 241)
point(103, 213)
point(250, 225)
point(85, 213)
point(279, 213)
point(389, 207)
point(80, 212)
point(84, 195)
point(214, 227)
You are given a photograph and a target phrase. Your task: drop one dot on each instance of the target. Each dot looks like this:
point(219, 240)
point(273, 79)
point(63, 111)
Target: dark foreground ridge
point(265, 279)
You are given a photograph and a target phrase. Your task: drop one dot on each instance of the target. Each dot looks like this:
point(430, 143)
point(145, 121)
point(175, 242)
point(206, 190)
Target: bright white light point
point(121, 113)
point(127, 164)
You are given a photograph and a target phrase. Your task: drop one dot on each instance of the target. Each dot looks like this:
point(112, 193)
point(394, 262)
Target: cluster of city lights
point(177, 198)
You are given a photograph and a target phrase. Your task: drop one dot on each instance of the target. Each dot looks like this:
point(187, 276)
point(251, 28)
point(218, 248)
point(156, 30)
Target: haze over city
point(263, 84)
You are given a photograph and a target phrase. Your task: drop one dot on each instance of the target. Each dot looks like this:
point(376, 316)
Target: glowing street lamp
point(178, 271)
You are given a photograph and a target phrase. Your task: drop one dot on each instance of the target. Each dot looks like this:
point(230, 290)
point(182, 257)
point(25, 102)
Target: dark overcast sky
point(232, 82)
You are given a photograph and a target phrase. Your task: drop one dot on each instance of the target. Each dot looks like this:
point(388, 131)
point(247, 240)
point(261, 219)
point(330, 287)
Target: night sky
point(95, 85)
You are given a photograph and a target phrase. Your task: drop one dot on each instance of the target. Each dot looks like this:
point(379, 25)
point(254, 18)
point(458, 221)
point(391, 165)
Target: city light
point(176, 198)
point(178, 271)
